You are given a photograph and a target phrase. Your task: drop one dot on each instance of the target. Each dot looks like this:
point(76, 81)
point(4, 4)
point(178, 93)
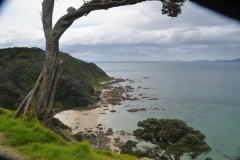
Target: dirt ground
point(8, 152)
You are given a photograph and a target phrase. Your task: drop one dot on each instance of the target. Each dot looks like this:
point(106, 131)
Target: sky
point(128, 33)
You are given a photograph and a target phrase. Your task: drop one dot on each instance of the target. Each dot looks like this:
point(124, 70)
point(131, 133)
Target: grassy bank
point(35, 142)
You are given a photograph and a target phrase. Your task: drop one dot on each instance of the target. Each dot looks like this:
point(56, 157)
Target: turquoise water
point(205, 95)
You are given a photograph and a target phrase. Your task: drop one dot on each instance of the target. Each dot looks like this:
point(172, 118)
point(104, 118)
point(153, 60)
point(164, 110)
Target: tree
point(172, 137)
point(38, 102)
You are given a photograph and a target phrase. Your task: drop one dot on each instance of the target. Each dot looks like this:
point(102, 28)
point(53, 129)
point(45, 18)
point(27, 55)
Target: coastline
point(85, 122)
point(87, 118)
point(88, 124)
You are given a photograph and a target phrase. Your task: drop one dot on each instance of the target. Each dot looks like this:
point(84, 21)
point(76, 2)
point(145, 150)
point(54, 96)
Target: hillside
point(78, 84)
point(234, 60)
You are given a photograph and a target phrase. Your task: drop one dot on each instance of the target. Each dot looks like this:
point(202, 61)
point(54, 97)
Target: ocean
point(204, 95)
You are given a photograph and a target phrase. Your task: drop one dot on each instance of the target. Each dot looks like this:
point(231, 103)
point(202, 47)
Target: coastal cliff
point(78, 85)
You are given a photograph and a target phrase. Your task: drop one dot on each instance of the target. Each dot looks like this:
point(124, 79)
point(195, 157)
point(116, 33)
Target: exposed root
point(33, 91)
point(19, 110)
point(28, 99)
point(64, 135)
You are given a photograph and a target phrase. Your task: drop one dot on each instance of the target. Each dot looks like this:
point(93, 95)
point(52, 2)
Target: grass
point(35, 142)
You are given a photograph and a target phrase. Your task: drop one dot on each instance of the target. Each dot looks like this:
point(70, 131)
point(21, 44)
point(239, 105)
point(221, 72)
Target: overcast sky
point(133, 33)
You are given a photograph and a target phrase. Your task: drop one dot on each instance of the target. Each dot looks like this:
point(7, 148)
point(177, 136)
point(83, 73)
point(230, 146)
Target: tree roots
point(24, 106)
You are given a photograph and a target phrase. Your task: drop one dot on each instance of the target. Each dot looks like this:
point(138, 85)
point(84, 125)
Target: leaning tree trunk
point(42, 95)
point(38, 102)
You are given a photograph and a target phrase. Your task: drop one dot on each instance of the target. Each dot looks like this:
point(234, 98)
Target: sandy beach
point(80, 120)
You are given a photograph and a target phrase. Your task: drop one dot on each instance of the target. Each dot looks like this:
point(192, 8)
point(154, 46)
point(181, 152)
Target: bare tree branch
point(65, 21)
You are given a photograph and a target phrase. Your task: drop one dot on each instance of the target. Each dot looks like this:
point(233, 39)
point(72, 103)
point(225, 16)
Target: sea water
point(204, 95)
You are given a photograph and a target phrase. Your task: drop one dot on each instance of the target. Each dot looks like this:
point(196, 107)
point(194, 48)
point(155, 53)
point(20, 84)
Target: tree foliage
point(173, 138)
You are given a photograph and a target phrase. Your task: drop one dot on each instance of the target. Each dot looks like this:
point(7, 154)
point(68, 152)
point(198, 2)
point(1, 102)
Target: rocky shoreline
point(98, 135)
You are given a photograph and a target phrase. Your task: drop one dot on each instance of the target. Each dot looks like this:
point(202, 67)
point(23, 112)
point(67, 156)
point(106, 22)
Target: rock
point(99, 140)
point(154, 99)
point(109, 132)
point(146, 88)
point(129, 88)
point(79, 136)
point(154, 108)
point(129, 134)
point(92, 138)
point(145, 97)
point(132, 110)
point(89, 131)
point(57, 123)
point(113, 110)
point(103, 141)
point(122, 133)
point(135, 110)
point(118, 142)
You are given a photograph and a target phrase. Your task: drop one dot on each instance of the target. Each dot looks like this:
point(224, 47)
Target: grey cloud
point(138, 32)
point(148, 51)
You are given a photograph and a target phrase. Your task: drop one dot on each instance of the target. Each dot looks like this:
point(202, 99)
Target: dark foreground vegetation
point(78, 84)
point(172, 138)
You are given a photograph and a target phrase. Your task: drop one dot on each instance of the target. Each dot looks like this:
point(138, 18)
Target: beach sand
point(80, 120)
point(83, 120)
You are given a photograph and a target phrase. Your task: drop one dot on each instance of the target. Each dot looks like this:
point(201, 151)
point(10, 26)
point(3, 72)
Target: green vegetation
point(78, 85)
point(172, 138)
point(33, 141)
